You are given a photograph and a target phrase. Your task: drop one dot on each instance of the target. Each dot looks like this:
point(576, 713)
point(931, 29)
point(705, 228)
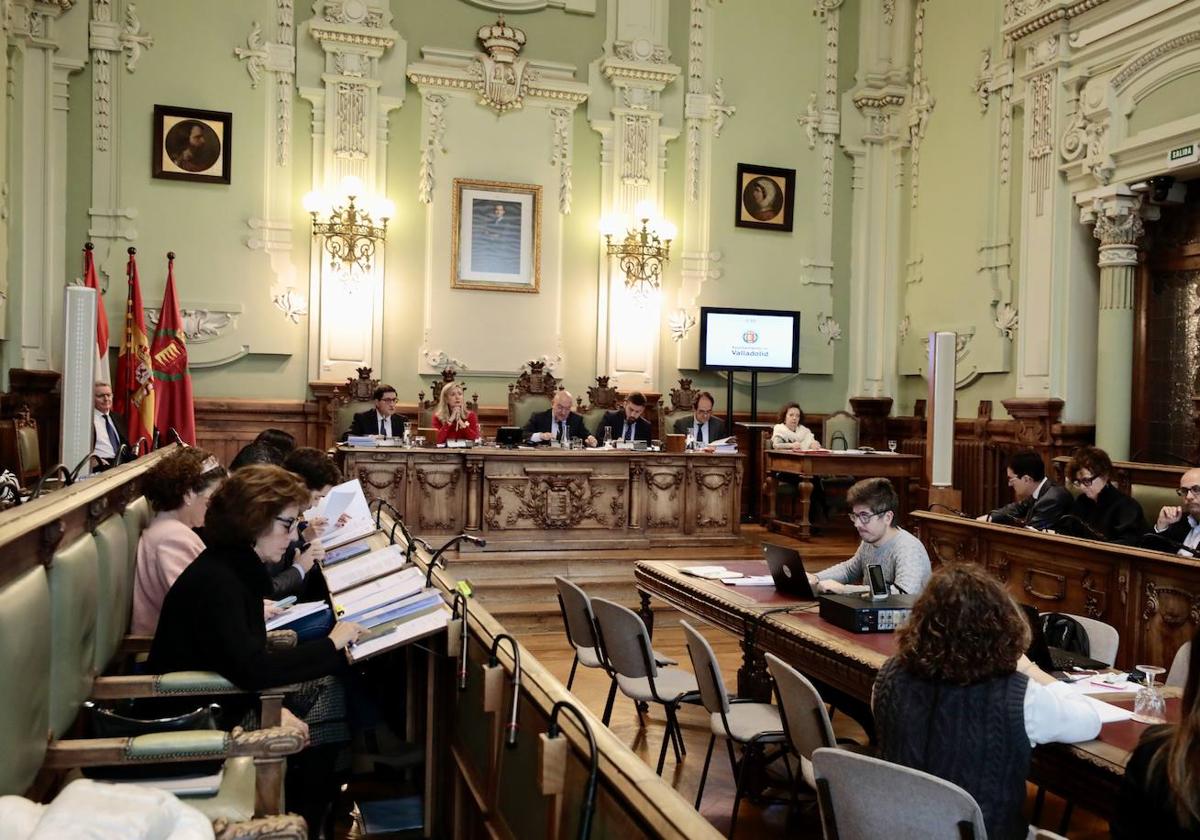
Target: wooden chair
point(601, 399)
point(19, 448)
point(533, 391)
point(683, 404)
point(426, 407)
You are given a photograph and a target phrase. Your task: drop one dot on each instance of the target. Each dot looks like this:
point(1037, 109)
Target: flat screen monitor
point(766, 340)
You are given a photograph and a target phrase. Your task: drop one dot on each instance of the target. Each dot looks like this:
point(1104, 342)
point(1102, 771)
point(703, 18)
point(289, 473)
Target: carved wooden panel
point(1168, 606)
point(556, 496)
point(713, 488)
point(381, 478)
point(664, 495)
point(438, 485)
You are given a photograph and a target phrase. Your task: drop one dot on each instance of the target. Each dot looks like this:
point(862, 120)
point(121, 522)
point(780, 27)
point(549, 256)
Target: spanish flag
point(172, 382)
point(93, 282)
point(133, 392)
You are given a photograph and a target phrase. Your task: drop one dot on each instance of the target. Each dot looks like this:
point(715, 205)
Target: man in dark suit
point(704, 427)
point(627, 423)
point(109, 429)
point(1180, 524)
point(549, 426)
point(380, 420)
point(1039, 503)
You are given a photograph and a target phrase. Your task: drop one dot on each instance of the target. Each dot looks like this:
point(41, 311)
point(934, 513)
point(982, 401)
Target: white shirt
point(1056, 714)
point(701, 433)
point(104, 447)
point(1192, 540)
point(1038, 490)
point(384, 424)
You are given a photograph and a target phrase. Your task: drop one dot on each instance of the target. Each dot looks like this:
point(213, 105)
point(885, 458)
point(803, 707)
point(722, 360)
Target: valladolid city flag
point(133, 394)
point(93, 282)
point(172, 382)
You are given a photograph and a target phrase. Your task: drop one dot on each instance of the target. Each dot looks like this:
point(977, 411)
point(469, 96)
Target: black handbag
point(106, 723)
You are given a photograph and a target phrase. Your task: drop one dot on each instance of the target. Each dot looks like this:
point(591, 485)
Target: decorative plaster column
point(351, 100)
point(627, 84)
point(44, 55)
point(1119, 228)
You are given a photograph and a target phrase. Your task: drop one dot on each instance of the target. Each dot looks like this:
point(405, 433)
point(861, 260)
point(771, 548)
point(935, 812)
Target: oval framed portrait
point(192, 145)
point(765, 197)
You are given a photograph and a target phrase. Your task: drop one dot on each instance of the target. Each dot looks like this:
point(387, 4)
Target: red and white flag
point(93, 282)
point(172, 382)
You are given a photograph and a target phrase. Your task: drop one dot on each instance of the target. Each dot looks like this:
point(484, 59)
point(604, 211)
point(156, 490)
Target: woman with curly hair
point(178, 488)
point(961, 700)
point(1100, 511)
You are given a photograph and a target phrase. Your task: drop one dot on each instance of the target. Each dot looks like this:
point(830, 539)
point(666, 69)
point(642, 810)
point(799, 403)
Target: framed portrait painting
point(192, 145)
point(496, 238)
point(766, 196)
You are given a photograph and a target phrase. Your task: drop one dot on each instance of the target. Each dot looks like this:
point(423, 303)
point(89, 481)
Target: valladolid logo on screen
point(749, 337)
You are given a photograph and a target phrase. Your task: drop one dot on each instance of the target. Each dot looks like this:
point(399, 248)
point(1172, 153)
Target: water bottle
point(690, 444)
point(565, 442)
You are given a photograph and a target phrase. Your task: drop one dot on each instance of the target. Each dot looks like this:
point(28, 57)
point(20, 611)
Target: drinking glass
point(608, 437)
point(891, 446)
point(1149, 705)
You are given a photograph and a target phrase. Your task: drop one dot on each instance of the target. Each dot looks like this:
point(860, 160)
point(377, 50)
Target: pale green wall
point(1173, 101)
point(956, 196)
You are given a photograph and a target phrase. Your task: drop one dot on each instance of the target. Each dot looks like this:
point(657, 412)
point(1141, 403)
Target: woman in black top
point(1160, 794)
point(212, 617)
point(1100, 511)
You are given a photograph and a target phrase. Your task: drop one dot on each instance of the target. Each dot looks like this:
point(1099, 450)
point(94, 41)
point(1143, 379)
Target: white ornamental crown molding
point(451, 70)
point(648, 74)
point(1129, 71)
point(580, 7)
point(352, 23)
point(1025, 17)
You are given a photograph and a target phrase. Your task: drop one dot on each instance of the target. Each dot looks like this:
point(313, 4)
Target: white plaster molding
point(580, 7)
point(680, 322)
point(1024, 17)
point(435, 132)
point(718, 108)
point(292, 303)
point(133, 39)
point(983, 80)
point(277, 57)
point(811, 120)
point(826, 125)
point(922, 101)
point(815, 272)
point(1006, 320)
point(560, 155)
point(440, 359)
point(254, 54)
point(202, 322)
point(889, 12)
point(1121, 21)
point(450, 69)
point(828, 328)
point(1040, 100)
point(914, 270)
point(905, 327)
point(1136, 66)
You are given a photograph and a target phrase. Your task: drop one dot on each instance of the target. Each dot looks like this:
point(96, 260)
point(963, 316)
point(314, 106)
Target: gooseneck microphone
point(435, 558)
point(1175, 547)
point(510, 736)
point(588, 805)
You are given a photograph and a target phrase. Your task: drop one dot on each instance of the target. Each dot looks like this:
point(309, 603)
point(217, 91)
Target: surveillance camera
point(1160, 187)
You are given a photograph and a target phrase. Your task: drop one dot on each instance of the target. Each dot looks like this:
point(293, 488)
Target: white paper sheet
point(1107, 711)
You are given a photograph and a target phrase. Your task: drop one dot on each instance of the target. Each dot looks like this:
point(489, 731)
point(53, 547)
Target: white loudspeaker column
point(939, 447)
point(79, 356)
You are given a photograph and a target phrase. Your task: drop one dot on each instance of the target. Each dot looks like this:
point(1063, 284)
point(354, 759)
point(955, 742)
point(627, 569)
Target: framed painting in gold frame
point(496, 236)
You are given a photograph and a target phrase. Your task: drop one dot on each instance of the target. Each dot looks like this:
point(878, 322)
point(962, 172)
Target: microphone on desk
point(436, 556)
point(1078, 528)
point(953, 510)
point(510, 736)
point(1175, 547)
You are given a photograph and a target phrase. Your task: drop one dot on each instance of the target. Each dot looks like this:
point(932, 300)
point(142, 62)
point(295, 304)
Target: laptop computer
point(788, 571)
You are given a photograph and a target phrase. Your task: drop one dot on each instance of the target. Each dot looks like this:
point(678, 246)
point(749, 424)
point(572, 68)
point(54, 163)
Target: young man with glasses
point(873, 505)
point(382, 420)
point(1181, 523)
point(1039, 501)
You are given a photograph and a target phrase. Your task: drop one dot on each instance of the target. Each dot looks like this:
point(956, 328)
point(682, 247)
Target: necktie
point(628, 433)
point(385, 426)
point(113, 438)
point(559, 434)
point(700, 433)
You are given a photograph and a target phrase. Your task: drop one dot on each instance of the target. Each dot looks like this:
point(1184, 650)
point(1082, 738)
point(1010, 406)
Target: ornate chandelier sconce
point(642, 253)
point(347, 232)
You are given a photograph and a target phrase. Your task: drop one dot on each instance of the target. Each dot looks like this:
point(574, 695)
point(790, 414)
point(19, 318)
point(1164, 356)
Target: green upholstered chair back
point(533, 391)
point(519, 411)
point(29, 458)
point(841, 426)
point(1153, 499)
point(137, 518)
point(114, 591)
point(25, 684)
point(73, 586)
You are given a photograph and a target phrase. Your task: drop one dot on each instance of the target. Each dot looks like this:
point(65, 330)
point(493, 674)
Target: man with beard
point(873, 504)
point(1181, 523)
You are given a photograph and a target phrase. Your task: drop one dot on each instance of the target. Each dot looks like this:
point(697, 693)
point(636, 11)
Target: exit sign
point(1183, 154)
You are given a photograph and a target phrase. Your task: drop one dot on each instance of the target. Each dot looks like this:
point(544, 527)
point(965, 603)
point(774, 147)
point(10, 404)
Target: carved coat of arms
point(502, 76)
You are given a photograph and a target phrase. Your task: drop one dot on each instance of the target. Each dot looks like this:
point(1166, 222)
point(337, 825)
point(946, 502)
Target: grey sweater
point(904, 560)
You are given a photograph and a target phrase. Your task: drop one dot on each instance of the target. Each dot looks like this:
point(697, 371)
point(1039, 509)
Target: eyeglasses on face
point(862, 517)
point(1189, 491)
point(288, 522)
point(387, 399)
point(1084, 480)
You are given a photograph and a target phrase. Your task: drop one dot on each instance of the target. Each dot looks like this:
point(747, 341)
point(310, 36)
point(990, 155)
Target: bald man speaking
point(551, 425)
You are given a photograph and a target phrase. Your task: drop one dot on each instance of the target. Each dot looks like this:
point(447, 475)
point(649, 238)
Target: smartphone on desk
point(879, 587)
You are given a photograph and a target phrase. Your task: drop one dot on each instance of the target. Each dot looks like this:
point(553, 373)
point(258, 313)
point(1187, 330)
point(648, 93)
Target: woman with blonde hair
point(178, 488)
point(452, 420)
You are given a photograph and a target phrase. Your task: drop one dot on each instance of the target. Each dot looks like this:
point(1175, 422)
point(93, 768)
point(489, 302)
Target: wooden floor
point(591, 687)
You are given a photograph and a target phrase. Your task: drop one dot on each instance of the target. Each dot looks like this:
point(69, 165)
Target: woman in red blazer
point(452, 420)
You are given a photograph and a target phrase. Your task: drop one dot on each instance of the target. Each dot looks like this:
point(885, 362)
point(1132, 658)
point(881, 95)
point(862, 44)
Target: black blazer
point(367, 423)
point(1114, 515)
point(212, 620)
point(543, 422)
point(716, 427)
point(119, 423)
point(615, 420)
point(1042, 513)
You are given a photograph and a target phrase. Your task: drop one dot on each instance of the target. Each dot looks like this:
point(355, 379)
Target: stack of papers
point(296, 612)
point(362, 440)
point(710, 572)
point(348, 504)
point(390, 599)
point(724, 446)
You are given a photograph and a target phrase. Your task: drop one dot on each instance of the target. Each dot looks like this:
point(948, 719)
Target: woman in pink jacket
point(178, 488)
